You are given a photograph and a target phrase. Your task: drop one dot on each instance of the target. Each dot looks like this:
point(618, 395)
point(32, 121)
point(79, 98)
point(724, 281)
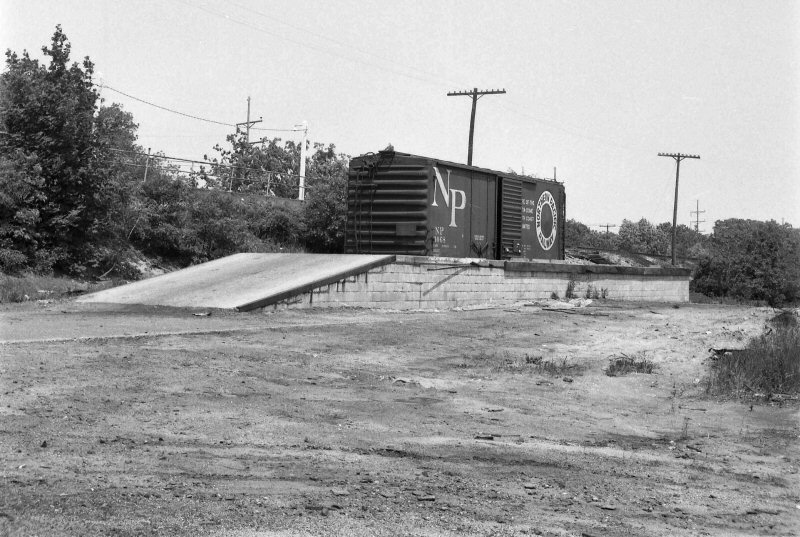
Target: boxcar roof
point(392, 154)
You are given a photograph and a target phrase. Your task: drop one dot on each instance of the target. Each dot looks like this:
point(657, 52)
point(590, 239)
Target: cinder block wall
point(441, 283)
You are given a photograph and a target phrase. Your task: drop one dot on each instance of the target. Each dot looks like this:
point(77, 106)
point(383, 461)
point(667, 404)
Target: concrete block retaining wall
point(440, 283)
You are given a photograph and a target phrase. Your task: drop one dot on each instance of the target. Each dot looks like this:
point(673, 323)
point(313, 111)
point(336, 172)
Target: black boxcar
point(406, 204)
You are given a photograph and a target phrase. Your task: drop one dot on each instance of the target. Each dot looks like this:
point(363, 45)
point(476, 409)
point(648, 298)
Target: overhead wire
point(430, 79)
point(200, 162)
point(281, 179)
point(103, 85)
point(324, 50)
point(433, 76)
point(340, 43)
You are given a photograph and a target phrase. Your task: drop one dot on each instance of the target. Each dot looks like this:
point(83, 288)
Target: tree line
point(745, 259)
point(79, 196)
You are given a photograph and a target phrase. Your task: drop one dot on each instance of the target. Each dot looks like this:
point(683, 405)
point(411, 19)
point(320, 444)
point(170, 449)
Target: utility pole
point(301, 192)
point(248, 123)
point(607, 226)
point(697, 221)
point(678, 158)
point(146, 166)
point(475, 94)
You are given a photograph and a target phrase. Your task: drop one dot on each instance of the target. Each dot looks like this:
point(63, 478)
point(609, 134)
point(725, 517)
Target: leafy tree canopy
point(56, 154)
point(751, 260)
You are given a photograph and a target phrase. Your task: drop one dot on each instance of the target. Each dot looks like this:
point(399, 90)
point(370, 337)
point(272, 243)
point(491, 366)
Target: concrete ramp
point(242, 281)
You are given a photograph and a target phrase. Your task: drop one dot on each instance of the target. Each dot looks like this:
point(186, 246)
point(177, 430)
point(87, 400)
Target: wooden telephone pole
point(697, 220)
point(678, 158)
point(475, 94)
point(248, 123)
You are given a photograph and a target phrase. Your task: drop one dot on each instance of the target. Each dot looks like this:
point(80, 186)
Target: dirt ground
point(153, 421)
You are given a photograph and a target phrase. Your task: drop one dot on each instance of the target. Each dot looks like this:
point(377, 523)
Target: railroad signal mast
point(475, 94)
point(678, 158)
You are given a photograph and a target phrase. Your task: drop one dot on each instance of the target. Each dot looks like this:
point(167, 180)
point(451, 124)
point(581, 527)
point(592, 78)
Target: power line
point(324, 50)
point(382, 64)
point(429, 79)
point(200, 162)
point(261, 172)
point(198, 118)
point(337, 42)
point(105, 86)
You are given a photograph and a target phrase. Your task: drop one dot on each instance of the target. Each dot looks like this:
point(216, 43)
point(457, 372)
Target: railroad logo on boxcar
point(450, 195)
point(546, 200)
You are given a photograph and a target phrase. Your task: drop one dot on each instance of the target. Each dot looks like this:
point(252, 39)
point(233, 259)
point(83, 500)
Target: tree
point(751, 260)
point(122, 165)
point(19, 218)
point(577, 234)
point(48, 112)
point(688, 242)
point(59, 151)
point(325, 209)
point(643, 237)
point(271, 169)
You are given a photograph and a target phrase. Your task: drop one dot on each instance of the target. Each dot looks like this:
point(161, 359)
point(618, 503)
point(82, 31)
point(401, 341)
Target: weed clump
point(569, 294)
point(595, 293)
point(624, 364)
point(527, 363)
point(555, 368)
point(769, 365)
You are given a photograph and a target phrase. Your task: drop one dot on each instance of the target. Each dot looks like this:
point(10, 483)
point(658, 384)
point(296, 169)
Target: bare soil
point(154, 421)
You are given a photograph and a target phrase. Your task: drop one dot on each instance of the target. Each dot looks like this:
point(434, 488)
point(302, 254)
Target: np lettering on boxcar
point(450, 196)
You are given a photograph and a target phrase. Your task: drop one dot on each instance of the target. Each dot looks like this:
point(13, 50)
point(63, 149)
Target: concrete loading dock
point(250, 281)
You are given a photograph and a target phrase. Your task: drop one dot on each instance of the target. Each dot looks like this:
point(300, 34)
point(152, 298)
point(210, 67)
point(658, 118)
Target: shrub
point(32, 287)
point(12, 261)
point(624, 364)
point(281, 224)
point(770, 364)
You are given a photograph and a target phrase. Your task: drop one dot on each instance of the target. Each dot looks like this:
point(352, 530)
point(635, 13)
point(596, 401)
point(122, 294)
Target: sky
point(594, 89)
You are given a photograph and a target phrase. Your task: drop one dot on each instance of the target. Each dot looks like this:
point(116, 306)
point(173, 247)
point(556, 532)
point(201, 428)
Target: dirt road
point(489, 422)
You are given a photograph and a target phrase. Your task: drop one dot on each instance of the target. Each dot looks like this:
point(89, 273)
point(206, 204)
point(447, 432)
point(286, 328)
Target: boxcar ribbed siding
point(387, 209)
point(510, 216)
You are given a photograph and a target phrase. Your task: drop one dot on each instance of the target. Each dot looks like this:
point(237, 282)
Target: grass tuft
point(505, 361)
point(555, 368)
point(769, 365)
point(32, 287)
point(624, 364)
